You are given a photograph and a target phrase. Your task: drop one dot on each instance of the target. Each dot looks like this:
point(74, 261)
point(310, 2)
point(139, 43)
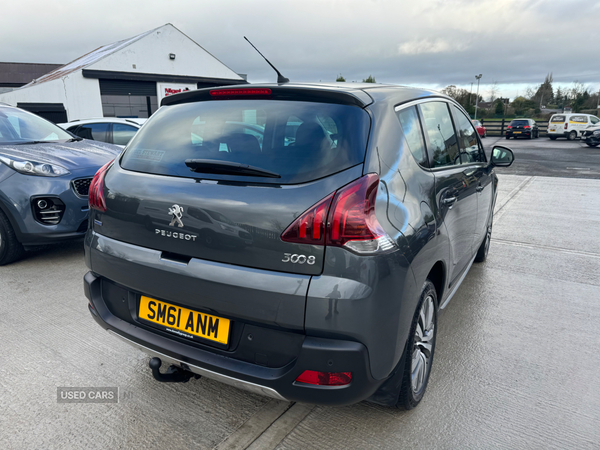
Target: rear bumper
point(518, 134)
point(301, 353)
point(558, 133)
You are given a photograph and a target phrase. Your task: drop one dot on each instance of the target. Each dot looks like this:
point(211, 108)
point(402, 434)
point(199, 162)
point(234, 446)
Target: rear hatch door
point(164, 195)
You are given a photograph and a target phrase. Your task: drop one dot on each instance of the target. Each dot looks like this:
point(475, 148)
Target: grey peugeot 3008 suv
point(363, 207)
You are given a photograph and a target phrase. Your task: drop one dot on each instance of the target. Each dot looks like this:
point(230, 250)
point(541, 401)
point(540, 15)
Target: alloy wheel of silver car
point(423, 345)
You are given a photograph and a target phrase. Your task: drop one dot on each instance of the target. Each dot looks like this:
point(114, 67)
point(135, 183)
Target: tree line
point(543, 96)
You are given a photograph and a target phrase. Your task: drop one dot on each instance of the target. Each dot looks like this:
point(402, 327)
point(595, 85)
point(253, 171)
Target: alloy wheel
point(423, 345)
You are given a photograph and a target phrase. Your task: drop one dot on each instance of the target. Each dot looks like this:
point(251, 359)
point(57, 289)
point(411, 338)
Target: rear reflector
point(325, 378)
point(96, 192)
point(239, 92)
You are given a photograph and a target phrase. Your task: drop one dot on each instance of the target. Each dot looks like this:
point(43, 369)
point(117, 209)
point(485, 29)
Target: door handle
point(448, 200)
point(479, 188)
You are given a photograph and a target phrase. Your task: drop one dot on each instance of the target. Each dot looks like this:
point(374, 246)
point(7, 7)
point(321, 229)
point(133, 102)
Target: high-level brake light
point(239, 92)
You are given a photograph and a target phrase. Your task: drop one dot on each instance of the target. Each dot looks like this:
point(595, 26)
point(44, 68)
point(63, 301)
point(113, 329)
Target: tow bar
point(173, 374)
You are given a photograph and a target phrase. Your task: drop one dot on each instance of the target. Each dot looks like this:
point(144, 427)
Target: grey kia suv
point(359, 221)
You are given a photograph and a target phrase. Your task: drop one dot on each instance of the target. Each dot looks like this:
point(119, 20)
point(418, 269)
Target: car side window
point(594, 120)
point(122, 133)
point(95, 131)
point(411, 127)
point(467, 138)
point(442, 146)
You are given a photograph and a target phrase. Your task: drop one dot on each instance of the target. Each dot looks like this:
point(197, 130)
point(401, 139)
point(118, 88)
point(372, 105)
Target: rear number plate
point(184, 322)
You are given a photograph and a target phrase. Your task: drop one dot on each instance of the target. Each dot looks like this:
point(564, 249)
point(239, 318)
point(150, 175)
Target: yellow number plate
point(517, 132)
point(184, 322)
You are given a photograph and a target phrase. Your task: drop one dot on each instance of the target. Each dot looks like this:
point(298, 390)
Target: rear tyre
point(507, 137)
point(572, 135)
point(10, 248)
point(593, 145)
point(420, 348)
point(531, 135)
point(484, 248)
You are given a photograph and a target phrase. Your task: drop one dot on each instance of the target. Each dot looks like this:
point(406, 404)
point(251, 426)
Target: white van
point(569, 125)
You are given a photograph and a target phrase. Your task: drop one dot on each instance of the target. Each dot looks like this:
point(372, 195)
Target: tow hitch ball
point(173, 374)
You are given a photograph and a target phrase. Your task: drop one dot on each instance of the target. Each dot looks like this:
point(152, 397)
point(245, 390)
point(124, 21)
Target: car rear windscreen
point(519, 123)
point(300, 141)
point(557, 119)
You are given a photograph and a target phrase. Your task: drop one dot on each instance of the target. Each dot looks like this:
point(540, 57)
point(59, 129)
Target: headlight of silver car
point(28, 167)
point(597, 133)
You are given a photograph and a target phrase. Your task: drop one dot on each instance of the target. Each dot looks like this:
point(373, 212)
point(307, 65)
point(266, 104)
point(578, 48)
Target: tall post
point(477, 95)
point(471, 94)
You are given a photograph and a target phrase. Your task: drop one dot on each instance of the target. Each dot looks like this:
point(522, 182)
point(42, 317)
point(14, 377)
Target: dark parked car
point(523, 128)
point(364, 223)
point(44, 177)
point(591, 136)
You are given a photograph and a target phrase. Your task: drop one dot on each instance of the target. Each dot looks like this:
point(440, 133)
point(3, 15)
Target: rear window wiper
point(227, 168)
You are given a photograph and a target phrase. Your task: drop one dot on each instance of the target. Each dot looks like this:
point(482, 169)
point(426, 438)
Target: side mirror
point(502, 156)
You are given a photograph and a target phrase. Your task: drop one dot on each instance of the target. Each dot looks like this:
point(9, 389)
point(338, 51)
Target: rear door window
point(467, 138)
point(300, 141)
point(122, 133)
point(411, 127)
point(442, 146)
point(94, 131)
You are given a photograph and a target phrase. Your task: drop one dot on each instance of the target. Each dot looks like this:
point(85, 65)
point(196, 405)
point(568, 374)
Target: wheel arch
point(437, 275)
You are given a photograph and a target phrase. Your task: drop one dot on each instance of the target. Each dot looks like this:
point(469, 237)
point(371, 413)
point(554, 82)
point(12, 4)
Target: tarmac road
point(516, 366)
point(543, 157)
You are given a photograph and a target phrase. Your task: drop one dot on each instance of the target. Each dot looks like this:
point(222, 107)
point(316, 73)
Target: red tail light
point(509, 127)
point(325, 378)
point(96, 191)
point(566, 125)
point(351, 221)
point(352, 214)
point(526, 126)
point(239, 92)
point(309, 228)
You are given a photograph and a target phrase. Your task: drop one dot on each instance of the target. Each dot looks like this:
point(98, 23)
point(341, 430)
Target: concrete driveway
point(517, 362)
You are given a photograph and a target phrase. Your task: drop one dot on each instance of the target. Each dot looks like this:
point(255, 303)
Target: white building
point(128, 78)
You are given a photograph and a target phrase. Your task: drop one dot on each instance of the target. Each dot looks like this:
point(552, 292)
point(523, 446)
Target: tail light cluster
point(527, 127)
point(96, 192)
point(566, 125)
point(345, 218)
point(509, 127)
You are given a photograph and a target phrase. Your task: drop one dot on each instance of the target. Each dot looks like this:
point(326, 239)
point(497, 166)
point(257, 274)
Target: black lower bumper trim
point(318, 354)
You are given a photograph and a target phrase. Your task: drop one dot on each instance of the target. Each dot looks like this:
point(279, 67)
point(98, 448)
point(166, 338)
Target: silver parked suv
point(338, 236)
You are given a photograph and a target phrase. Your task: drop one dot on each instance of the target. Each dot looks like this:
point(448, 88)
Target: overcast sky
point(430, 43)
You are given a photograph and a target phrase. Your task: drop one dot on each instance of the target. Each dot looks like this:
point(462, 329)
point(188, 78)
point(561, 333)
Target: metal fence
point(498, 127)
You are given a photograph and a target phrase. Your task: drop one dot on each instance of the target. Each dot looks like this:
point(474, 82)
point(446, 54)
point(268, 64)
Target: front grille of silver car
point(81, 186)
